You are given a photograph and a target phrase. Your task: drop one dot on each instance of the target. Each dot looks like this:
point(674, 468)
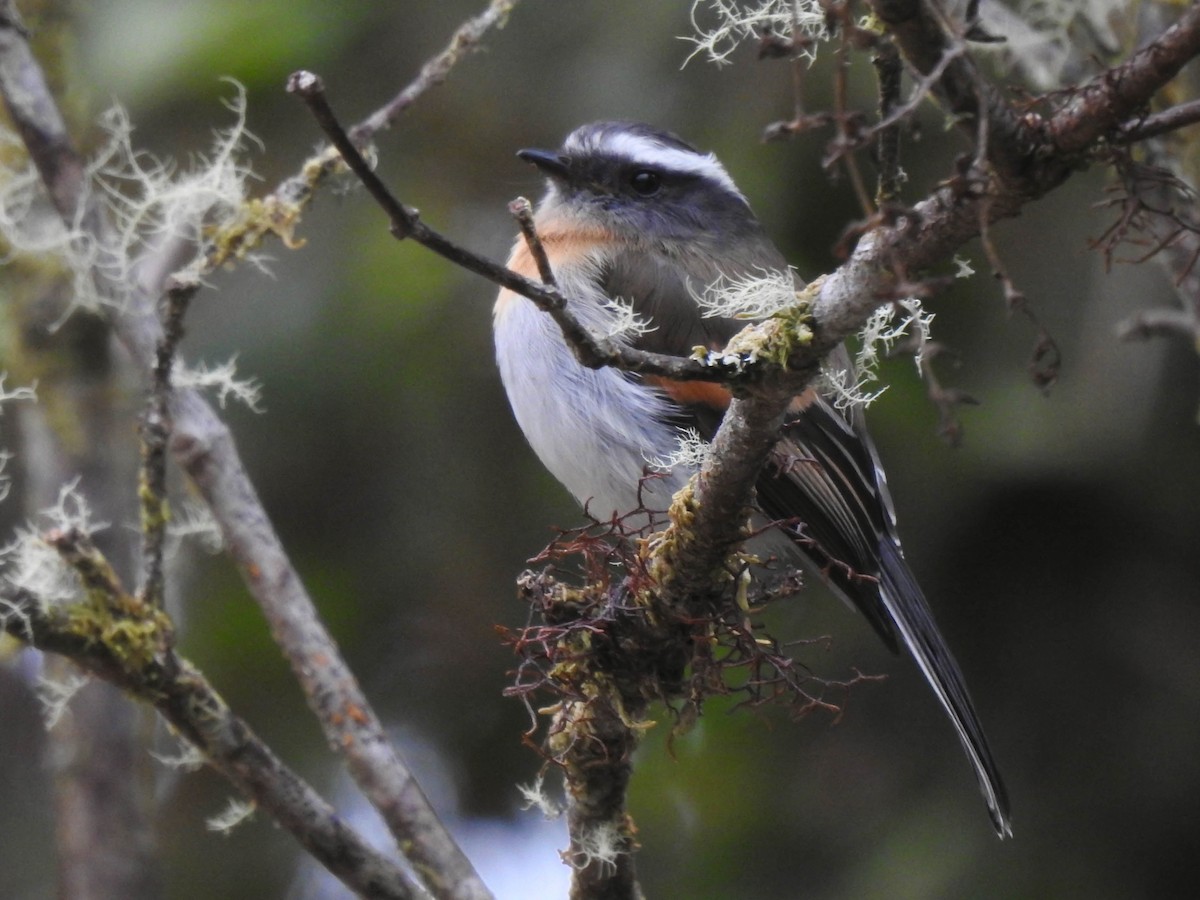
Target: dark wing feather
point(826, 477)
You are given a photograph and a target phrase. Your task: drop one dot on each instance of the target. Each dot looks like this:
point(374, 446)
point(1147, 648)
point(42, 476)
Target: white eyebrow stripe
point(639, 149)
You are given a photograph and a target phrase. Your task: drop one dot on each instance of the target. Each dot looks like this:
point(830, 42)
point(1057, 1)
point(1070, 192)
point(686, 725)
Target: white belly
point(596, 430)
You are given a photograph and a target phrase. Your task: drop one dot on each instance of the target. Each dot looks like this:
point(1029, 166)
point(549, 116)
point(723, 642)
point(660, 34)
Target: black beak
point(550, 163)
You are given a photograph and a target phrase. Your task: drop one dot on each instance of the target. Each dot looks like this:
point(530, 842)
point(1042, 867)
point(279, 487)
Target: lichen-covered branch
point(117, 636)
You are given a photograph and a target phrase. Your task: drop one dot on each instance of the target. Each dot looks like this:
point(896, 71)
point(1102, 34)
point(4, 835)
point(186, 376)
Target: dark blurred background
point(1059, 546)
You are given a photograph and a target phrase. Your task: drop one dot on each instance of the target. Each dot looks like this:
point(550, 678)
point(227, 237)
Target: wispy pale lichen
point(234, 814)
point(623, 322)
point(30, 564)
point(722, 25)
point(752, 296)
point(535, 796)
point(147, 202)
point(689, 453)
point(193, 521)
point(223, 380)
point(887, 325)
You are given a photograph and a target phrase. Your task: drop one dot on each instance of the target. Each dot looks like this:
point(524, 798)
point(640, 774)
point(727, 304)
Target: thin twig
point(842, 116)
point(464, 40)
point(522, 211)
point(1046, 359)
point(928, 48)
point(155, 432)
point(1101, 106)
point(888, 69)
point(1158, 124)
point(896, 113)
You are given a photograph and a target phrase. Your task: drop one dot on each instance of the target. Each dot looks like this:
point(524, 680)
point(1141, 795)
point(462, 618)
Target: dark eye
point(645, 182)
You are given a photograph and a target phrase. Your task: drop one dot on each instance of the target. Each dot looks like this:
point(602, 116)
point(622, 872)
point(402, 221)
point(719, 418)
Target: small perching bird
point(635, 217)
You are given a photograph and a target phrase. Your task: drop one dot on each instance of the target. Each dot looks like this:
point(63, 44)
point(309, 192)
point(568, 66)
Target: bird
point(634, 217)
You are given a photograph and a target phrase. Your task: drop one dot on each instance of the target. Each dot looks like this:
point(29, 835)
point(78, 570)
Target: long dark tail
point(906, 605)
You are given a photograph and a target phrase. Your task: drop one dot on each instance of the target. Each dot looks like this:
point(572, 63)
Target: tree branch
point(464, 40)
point(1161, 123)
point(1099, 108)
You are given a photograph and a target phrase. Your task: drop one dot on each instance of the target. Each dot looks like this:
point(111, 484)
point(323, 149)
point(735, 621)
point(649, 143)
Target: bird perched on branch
point(635, 220)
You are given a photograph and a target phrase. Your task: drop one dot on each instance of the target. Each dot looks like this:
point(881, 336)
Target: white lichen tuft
point(963, 268)
point(223, 380)
point(887, 325)
point(622, 322)
point(152, 202)
point(28, 393)
point(55, 696)
point(234, 814)
point(722, 25)
point(17, 394)
point(189, 759)
point(689, 454)
point(848, 388)
point(29, 225)
point(30, 564)
point(756, 296)
point(147, 201)
point(5, 478)
point(536, 797)
point(736, 362)
point(599, 846)
point(192, 521)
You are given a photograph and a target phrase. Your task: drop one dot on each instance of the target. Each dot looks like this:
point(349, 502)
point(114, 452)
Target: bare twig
point(1158, 124)
point(847, 122)
point(522, 211)
point(926, 45)
point(1101, 106)
point(1046, 359)
point(895, 113)
point(1157, 211)
point(464, 40)
point(156, 429)
point(888, 70)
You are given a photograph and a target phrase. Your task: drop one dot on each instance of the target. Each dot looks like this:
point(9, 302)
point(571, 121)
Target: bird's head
point(640, 183)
